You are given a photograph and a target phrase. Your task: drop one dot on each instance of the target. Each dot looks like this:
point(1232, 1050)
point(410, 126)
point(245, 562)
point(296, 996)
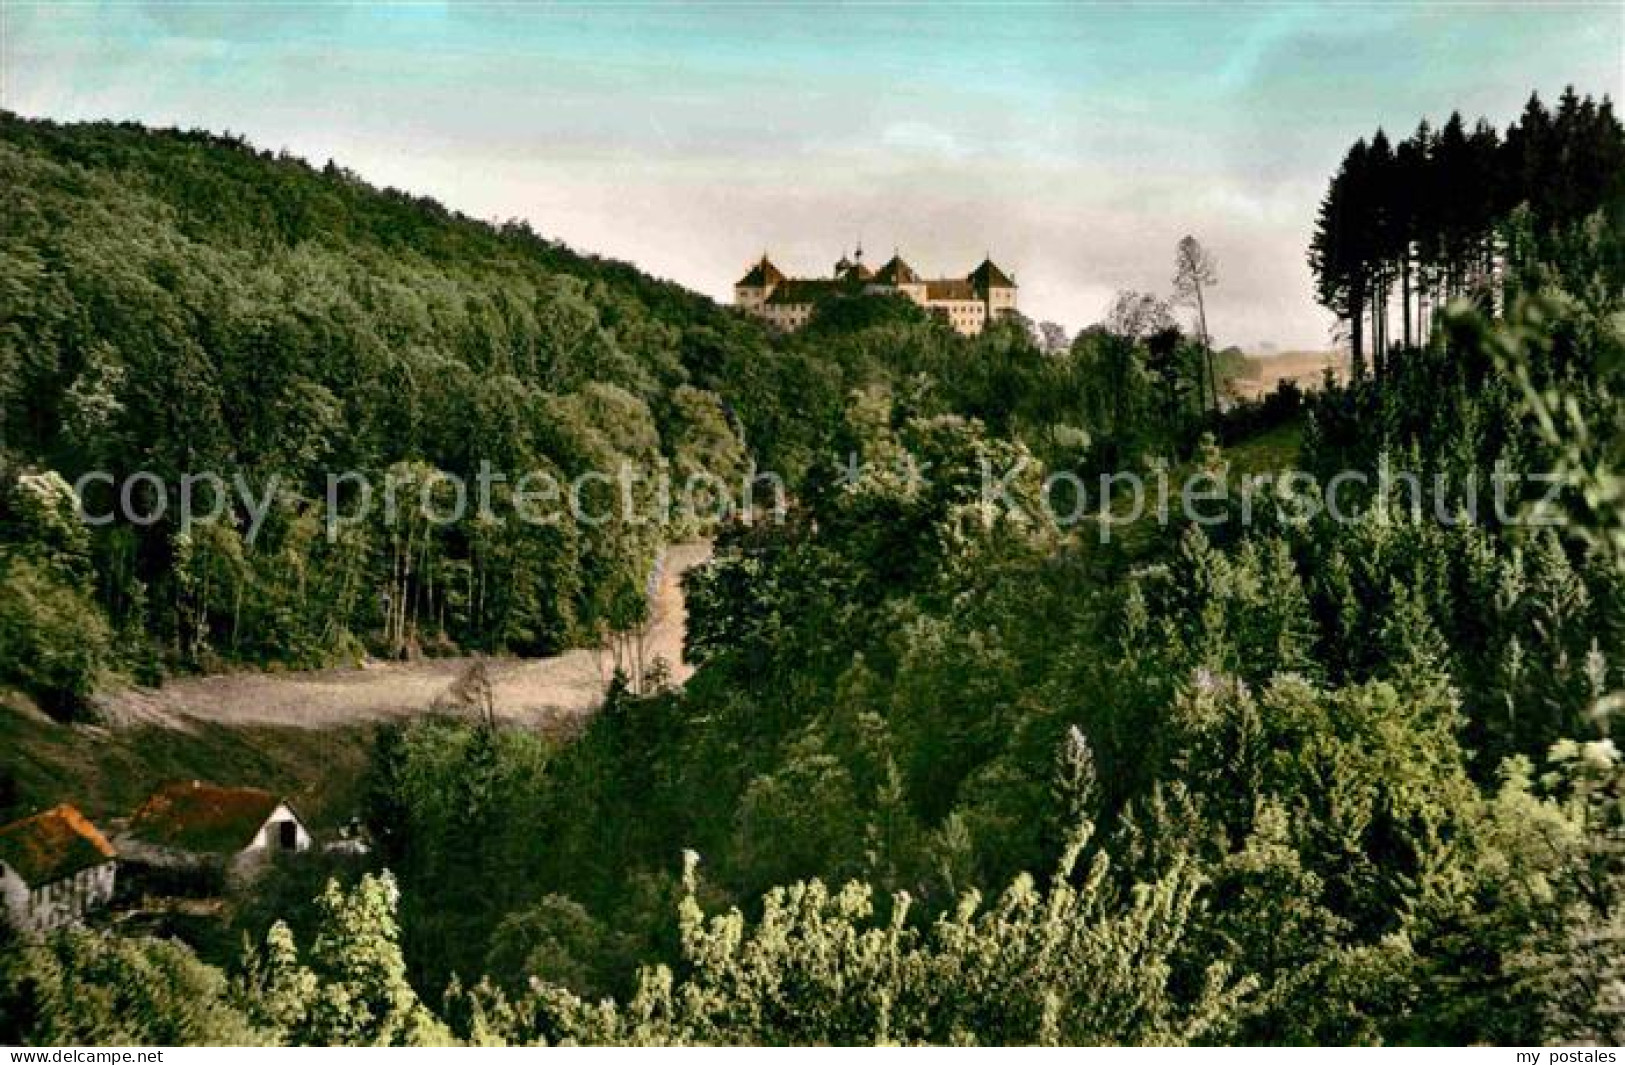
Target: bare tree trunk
point(1379, 322)
point(1405, 294)
point(1376, 335)
point(1423, 289)
point(1357, 331)
point(1207, 348)
point(200, 614)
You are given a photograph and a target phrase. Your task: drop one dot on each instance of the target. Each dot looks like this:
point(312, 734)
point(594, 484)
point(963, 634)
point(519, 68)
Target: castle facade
point(968, 303)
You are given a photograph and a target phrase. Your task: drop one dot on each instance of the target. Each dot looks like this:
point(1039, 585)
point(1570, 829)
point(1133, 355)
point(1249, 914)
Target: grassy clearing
point(107, 772)
point(1272, 451)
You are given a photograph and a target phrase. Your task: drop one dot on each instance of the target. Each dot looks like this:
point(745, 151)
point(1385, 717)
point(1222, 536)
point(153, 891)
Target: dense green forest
point(1455, 211)
point(949, 770)
point(180, 303)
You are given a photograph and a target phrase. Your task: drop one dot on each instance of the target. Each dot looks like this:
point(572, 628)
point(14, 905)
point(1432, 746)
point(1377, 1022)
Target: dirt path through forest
point(535, 691)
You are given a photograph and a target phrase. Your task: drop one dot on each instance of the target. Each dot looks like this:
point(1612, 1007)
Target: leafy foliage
point(1282, 773)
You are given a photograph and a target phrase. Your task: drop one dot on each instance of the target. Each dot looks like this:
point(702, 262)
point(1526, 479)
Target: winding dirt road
point(537, 691)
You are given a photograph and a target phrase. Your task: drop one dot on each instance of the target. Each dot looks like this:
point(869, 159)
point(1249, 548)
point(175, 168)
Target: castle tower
point(995, 288)
point(752, 290)
point(903, 277)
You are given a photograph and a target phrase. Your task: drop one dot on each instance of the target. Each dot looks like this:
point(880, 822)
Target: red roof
point(949, 288)
point(194, 816)
point(762, 275)
point(53, 845)
point(810, 290)
point(897, 272)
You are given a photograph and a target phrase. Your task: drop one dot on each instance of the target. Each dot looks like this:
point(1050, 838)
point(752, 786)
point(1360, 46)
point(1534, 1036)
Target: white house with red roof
point(55, 867)
point(193, 823)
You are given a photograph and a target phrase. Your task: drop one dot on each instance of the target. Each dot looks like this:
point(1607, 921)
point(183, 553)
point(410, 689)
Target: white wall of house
point(13, 897)
point(271, 836)
point(272, 839)
point(787, 316)
point(48, 906)
point(966, 316)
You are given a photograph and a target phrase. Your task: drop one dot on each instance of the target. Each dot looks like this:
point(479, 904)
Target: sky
point(1075, 143)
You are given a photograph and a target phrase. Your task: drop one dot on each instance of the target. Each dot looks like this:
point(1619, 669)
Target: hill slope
point(179, 304)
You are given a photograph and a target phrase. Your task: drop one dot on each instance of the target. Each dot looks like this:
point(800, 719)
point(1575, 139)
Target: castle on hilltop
point(968, 303)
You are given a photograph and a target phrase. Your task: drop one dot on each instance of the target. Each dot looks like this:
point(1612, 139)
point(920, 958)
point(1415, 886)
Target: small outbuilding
point(55, 867)
point(193, 825)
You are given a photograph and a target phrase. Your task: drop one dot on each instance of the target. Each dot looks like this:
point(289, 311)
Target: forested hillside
point(180, 303)
point(953, 767)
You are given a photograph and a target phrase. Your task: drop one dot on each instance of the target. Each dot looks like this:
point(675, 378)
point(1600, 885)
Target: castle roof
point(761, 275)
point(852, 276)
point(896, 272)
point(53, 845)
point(190, 815)
point(989, 276)
point(950, 288)
point(809, 290)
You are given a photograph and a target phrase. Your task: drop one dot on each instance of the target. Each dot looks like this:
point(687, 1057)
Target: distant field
point(1306, 368)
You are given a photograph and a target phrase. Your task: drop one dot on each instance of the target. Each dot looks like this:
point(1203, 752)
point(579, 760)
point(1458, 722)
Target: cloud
point(922, 138)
